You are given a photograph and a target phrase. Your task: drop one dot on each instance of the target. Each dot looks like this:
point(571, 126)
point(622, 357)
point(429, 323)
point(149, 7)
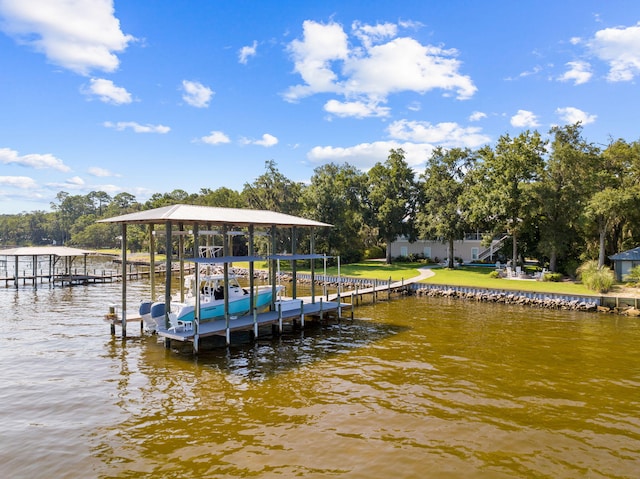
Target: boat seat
point(177, 325)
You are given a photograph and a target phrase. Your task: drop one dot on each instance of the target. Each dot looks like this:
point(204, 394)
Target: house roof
point(44, 251)
point(629, 255)
point(208, 215)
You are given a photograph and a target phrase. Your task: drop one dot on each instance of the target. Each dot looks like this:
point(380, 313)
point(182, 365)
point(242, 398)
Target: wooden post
point(280, 318)
point(124, 279)
point(225, 252)
point(294, 265)
point(301, 314)
point(35, 271)
point(196, 317)
point(152, 261)
point(167, 279)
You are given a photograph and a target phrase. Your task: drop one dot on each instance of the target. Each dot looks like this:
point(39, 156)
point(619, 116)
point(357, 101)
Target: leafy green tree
point(158, 200)
point(504, 193)
point(441, 214)
point(335, 197)
point(273, 191)
point(121, 204)
point(563, 192)
point(100, 199)
point(391, 199)
point(613, 194)
point(221, 197)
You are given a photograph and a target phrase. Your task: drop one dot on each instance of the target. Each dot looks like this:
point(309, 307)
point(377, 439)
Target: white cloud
point(369, 34)
point(108, 92)
point(246, 52)
point(215, 138)
point(365, 155)
point(384, 64)
point(101, 172)
point(447, 134)
point(196, 94)
point(80, 35)
point(620, 48)
point(75, 181)
point(524, 119)
point(477, 116)
point(573, 115)
point(579, 72)
point(357, 109)
point(137, 127)
point(33, 160)
point(266, 141)
point(22, 182)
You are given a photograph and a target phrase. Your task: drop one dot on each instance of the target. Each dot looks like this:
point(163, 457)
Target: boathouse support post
point(302, 313)
point(15, 272)
point(225, 252)
point(152, 261)
point(280, 318)
point(273, 261)
point(252, 299)
point(312, 248)
point(181, 259)
point(124, 278)
point(196, 315)
point(167, 278)
point(294, 265)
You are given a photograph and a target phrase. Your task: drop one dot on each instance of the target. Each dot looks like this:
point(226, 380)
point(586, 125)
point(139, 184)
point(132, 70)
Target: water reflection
point(425, 386)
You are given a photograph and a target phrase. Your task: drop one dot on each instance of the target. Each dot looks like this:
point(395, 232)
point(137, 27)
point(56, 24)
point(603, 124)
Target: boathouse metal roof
point(213, 216)
point(62, 251)
point(629, 255)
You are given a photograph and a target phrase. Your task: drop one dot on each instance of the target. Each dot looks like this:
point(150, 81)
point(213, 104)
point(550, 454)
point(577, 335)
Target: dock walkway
point(248, 322)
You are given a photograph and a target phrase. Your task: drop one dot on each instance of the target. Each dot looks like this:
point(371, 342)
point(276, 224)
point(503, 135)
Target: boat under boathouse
point(202, 223)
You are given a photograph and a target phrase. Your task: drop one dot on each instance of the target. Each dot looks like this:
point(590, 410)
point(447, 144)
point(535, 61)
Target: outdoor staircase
point(495, 246)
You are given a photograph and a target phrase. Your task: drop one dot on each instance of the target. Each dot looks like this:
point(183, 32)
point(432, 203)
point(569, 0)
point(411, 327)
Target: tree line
point(561, 200)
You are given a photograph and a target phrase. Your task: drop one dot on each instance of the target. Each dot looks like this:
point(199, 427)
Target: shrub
point(634, 276)
point(494, 274)
point(374, 252)
point(597, 278)
point(554, 277)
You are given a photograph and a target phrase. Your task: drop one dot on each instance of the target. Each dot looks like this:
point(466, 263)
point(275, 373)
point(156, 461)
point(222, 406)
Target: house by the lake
point(469, 249)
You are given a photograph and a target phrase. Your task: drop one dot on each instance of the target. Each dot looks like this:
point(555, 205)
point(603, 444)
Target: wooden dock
point(319, 310)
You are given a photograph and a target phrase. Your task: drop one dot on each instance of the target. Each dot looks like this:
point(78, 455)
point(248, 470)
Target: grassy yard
point(479, 277)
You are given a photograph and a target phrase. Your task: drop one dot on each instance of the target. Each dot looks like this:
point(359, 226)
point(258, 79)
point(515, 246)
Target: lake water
point(415, 388)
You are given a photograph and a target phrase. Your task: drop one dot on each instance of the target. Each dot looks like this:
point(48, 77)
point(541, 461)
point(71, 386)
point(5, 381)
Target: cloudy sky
point(149, 96)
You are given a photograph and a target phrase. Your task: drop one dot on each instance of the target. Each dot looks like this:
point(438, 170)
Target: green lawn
point(479, 277)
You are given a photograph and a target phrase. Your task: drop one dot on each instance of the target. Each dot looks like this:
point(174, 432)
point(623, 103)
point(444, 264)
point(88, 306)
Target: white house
point(469, 250)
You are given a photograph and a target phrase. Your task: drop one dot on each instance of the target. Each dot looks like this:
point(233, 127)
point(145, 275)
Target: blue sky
point(148, 96)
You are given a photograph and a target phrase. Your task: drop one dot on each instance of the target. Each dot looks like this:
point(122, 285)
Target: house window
point(403, 251)
point(427, 251)
point(474, 253)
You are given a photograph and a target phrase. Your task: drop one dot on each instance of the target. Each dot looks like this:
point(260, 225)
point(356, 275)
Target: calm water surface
point(416, 388)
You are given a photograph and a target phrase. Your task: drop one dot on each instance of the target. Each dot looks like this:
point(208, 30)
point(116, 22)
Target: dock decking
point(247, 323)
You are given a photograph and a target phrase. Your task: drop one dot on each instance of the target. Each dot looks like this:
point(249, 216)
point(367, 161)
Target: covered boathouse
point(201, 223)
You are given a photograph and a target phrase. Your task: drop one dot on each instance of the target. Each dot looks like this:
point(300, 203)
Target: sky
point(150, 96)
